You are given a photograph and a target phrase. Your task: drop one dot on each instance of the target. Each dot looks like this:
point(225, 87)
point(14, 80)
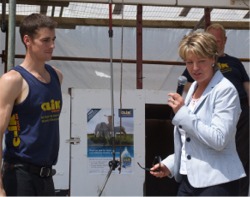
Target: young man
point(235, 72)
point(30, 105)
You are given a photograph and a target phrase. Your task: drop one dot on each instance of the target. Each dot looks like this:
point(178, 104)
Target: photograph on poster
point(103, 138)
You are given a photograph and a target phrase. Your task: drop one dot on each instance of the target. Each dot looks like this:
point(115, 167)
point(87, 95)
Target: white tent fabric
point(158, 44)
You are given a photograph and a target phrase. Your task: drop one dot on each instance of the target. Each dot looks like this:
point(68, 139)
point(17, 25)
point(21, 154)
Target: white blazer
point(210, 136)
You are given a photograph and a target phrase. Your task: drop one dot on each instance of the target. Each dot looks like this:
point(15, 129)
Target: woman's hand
point(175, 101)
point(159, 170)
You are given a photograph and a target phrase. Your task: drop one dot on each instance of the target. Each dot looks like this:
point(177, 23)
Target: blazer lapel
point(215, 80)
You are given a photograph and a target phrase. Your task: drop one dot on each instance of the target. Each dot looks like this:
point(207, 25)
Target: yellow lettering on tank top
point(14, 126)
point(53, 106)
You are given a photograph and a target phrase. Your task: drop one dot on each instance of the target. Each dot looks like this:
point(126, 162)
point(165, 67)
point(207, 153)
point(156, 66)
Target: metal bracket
point(73, 140)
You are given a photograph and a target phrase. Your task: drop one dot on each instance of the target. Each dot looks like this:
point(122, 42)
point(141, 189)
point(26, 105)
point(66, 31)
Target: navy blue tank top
point(33, 132)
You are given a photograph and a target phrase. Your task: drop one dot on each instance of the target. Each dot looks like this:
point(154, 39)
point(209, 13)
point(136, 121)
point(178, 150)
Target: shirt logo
point(53, 109)
point(53, 106)
point(14, 126)
point(224, 67)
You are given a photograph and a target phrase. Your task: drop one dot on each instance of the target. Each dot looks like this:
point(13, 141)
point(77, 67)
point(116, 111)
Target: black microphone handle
point(182, 80)
point(180, 89)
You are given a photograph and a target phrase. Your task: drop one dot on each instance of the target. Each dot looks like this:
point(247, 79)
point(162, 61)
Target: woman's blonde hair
point(201, 44)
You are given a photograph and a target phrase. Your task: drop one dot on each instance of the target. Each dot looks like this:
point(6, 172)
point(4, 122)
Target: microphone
point(182, 80)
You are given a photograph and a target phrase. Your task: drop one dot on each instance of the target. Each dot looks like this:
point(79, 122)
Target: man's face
point(41, 46)
point(220, 39)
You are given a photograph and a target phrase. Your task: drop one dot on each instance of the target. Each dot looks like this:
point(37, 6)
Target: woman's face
point(200, 68)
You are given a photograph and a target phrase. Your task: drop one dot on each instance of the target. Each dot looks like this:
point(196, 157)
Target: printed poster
point(105, 144)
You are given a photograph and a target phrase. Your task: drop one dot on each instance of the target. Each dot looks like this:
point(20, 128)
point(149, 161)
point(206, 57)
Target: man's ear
point(26, 40)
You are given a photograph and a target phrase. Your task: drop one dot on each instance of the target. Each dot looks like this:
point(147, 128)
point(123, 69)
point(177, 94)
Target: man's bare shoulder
point(11, 79)
point(11, 76)
point(59, 73)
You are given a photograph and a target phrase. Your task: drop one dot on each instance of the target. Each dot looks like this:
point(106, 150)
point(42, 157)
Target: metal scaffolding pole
point(11, 34)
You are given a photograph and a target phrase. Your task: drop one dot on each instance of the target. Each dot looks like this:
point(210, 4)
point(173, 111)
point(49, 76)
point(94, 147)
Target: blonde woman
point(205, 161)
